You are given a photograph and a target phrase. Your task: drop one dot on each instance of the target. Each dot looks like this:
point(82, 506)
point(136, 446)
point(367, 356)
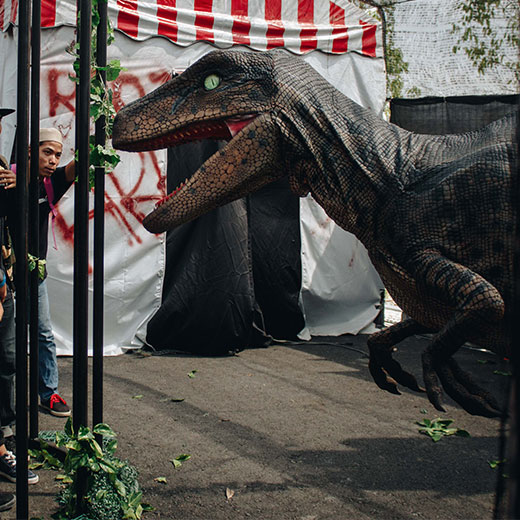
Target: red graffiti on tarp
point(123, 206)
point(56, 97)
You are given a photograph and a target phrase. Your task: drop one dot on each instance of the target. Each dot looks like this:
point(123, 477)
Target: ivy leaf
point(104, 430)
point(502, 373)
point(177, 461)
point(160, 480)
point(191, 374)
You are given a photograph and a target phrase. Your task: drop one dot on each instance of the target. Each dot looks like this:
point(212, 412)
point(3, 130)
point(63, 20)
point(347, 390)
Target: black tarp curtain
point(233, 276)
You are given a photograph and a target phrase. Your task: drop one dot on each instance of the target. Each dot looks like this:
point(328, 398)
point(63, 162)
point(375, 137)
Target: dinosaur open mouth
point(224, 130)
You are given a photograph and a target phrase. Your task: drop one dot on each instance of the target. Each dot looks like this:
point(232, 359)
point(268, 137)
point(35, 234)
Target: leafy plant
point(101, 97)
point(438, 428)
point(479, 37)
point(112, 490)
point(34, 262)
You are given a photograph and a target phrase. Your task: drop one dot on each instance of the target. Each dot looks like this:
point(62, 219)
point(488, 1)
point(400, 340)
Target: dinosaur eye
point(211, 82)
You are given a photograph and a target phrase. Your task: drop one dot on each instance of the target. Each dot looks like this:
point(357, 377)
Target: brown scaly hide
point(436, 213)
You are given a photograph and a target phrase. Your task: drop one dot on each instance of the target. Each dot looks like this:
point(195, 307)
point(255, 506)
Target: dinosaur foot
point(388, 373)
point(458, 385)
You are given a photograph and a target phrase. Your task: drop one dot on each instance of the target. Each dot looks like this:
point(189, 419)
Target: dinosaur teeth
point(170, 195)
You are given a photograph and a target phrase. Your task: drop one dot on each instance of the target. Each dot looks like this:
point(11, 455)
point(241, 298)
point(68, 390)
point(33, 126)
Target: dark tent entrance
point(232, 276)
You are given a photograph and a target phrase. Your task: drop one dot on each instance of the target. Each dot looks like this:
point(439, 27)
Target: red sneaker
point(57, 406)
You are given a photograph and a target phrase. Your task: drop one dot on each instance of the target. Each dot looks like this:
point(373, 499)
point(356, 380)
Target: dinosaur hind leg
point(386, 372)
point(478, 308)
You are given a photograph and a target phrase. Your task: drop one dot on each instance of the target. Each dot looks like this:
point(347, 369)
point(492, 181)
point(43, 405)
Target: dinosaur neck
point(351, 160)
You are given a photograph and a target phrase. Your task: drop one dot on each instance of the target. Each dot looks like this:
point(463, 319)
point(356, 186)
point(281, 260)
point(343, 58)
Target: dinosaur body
point(436, 213)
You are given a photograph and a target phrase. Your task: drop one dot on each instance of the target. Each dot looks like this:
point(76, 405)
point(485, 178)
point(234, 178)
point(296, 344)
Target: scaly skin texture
point(435, 213)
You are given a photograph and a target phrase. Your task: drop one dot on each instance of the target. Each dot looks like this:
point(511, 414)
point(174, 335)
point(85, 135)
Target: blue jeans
point(48, 364)
point(7, 363)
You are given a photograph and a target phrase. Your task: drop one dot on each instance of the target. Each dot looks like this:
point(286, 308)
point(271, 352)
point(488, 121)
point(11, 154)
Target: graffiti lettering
point(126, 194)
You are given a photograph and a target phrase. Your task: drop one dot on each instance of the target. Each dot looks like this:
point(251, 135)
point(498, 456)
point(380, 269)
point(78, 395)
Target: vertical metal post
point(22, 108)
point(34, 220)
point(80, 327)
point(99, 235)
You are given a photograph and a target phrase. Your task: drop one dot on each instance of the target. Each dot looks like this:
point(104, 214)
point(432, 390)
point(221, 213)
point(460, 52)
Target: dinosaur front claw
point(458, 385)
point(388, 373)
point(382, 379)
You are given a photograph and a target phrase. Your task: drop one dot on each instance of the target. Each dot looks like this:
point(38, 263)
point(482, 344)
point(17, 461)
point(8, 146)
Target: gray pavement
point(290, 432)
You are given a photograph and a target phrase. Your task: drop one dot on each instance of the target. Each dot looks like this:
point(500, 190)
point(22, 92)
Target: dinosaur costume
point(436, 213)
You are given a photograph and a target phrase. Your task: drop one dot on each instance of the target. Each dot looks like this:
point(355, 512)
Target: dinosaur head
point(226, 95)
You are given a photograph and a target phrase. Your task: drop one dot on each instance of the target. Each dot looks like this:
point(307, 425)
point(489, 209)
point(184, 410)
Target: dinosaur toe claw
point(382, 379)
point(460, 386)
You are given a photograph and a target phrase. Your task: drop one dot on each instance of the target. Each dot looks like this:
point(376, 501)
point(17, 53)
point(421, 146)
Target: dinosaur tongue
point(236, 124)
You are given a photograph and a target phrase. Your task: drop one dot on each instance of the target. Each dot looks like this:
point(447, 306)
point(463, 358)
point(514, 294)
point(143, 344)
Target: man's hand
point(7, 179)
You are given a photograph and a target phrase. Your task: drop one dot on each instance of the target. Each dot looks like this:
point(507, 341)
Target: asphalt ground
point(292, 431)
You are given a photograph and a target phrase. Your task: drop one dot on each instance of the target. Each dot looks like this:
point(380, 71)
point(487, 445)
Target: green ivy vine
point(101, 96)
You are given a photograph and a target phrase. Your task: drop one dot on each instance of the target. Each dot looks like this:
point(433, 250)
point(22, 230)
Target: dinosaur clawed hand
point(458, 385)
point(438, 376)
point(388, 373)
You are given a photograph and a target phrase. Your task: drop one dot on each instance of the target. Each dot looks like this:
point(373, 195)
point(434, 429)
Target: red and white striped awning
point(332, 26)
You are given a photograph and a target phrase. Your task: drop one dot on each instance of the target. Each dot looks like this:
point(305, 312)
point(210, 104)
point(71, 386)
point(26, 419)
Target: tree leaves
point(438, 428)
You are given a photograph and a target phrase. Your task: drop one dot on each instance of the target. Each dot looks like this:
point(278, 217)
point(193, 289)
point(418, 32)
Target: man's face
point(50, 155)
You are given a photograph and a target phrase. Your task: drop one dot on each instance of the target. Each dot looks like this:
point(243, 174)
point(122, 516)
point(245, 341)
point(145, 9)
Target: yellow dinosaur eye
point(211, 82)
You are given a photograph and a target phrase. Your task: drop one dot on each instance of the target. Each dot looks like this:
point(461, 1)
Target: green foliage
point(438, 428)
point(112, 488)
point(33, 262)
point(177, 461)
point(477, 24)
point(493, 464)
point(101, 97)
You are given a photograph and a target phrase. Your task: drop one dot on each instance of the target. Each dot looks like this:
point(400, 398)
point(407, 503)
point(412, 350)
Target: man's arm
point(70, 171)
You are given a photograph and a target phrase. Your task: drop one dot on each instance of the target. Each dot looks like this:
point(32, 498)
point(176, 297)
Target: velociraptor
point(436, 213)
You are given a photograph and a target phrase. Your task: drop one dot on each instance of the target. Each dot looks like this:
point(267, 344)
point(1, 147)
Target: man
point(7, 459)
point(7, 344)
point(7, 325)
point(53, 183)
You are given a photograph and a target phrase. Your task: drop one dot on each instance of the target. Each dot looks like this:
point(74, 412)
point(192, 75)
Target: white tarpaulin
point(340, 287)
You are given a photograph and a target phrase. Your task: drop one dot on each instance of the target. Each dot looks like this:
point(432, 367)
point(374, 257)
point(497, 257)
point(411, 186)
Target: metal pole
point(34, 217)
point(80, 332)
point(80, 328)
point(99, 235)
point(22, 108)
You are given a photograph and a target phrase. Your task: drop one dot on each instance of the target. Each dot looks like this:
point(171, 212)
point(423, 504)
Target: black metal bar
point(34, 233)
point(22, 106)
point(80, 332)
point(99, 235)
point(80, 328)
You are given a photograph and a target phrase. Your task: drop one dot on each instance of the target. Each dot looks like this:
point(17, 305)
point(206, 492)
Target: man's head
point(50, 150)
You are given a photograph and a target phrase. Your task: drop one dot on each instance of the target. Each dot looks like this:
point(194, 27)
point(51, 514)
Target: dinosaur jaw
point(243, 166)
point(224, 129)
